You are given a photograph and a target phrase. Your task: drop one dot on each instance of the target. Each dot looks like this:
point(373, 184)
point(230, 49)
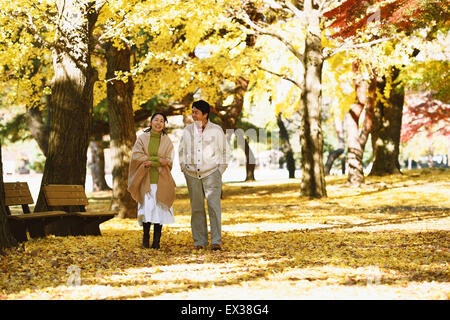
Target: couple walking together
point(203, 159)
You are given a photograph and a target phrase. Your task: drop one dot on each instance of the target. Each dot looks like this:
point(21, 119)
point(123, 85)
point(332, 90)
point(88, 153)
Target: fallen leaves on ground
point(387, 240)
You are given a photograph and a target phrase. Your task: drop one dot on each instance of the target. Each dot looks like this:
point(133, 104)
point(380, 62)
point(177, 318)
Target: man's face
point(197, 115)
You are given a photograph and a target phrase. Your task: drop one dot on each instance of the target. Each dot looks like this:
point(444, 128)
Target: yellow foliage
point(338, 83)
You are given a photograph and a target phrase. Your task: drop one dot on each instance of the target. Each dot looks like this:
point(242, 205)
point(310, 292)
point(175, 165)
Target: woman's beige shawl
point(139, 177)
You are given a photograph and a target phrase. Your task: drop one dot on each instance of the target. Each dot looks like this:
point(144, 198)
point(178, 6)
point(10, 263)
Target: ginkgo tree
point(310, 57)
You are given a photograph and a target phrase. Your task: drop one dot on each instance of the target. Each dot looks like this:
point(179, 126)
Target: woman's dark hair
point(203, 106)
point(151, 119)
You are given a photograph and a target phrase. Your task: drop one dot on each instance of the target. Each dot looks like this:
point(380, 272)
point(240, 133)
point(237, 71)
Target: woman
point(150, 182)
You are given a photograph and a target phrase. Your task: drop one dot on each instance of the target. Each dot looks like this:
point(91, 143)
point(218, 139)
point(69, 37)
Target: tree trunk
point(233, 114)
point(430, 154)
point(286, 146)
point(311, 140)
point(356, 138)
point(355, 146)
point(6, 238)
point(38, 129)
point(70, 103)
point(338, 123)
point(122, 130)
point(331, 158)
point(250, 162)
point(386, 130)
point(229, 119)
point(97, 166)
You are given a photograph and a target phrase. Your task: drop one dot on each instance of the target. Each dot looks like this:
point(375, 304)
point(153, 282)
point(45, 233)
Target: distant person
point(150, 181)
point(203, 155)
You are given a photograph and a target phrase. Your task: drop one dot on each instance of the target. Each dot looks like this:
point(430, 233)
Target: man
point(203, 155)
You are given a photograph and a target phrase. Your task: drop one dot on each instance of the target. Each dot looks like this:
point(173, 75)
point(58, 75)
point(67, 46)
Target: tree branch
point(298, 13)
point(331, 52)
point(282, 76)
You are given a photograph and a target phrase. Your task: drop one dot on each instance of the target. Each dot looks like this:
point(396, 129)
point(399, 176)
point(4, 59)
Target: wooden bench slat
point(67, 202)
point(65, 195)
point(15, 185)
point(96, 213)
point(17, 193)
point(37, 215)
point(63, 187)
point(16, 201)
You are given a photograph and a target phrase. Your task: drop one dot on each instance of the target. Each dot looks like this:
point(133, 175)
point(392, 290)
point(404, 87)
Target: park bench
point(72, 199)
point(18, 193)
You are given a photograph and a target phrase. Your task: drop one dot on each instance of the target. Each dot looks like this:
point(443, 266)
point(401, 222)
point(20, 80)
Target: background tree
point(357, 138)
point(286, 147)
point(386, 24)
point(311, 140)
point(336, 153)
point(229, 116)
point(122, 129)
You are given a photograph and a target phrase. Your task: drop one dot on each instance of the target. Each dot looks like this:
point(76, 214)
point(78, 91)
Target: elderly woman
point(150, 182)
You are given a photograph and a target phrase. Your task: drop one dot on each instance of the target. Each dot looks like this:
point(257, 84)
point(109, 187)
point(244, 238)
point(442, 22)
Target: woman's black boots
point(146, 236)
point(156, 235)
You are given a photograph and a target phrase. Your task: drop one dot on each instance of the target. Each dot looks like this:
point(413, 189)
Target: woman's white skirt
point(152, 211)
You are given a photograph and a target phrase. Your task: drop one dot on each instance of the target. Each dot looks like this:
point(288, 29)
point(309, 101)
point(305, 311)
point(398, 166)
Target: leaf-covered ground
point(387, 240)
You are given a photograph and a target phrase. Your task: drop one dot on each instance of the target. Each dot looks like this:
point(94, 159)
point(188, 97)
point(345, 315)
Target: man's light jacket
point(202, 152)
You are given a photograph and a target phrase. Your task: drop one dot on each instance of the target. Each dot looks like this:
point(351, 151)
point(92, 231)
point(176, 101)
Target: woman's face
point(157, 123)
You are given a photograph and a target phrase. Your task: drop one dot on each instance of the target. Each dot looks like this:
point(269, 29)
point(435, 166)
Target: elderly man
point(204, 155)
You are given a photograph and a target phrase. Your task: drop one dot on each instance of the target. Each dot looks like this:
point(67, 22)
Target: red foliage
point(352, 15)
point(422, 111)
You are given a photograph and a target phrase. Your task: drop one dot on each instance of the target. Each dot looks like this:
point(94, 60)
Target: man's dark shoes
point(216, 247)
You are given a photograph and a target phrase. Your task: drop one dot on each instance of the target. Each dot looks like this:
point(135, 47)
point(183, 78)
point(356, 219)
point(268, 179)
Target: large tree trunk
point(6, 238)
point(311, 140)
point(386, 130)
point(70, 104)
point(97, 165)
point(286, 147)
point(122, 130)
point(356, 138)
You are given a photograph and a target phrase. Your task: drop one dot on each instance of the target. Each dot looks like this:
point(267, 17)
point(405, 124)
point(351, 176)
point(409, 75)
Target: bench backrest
point(17, 193)
point(65, 195)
